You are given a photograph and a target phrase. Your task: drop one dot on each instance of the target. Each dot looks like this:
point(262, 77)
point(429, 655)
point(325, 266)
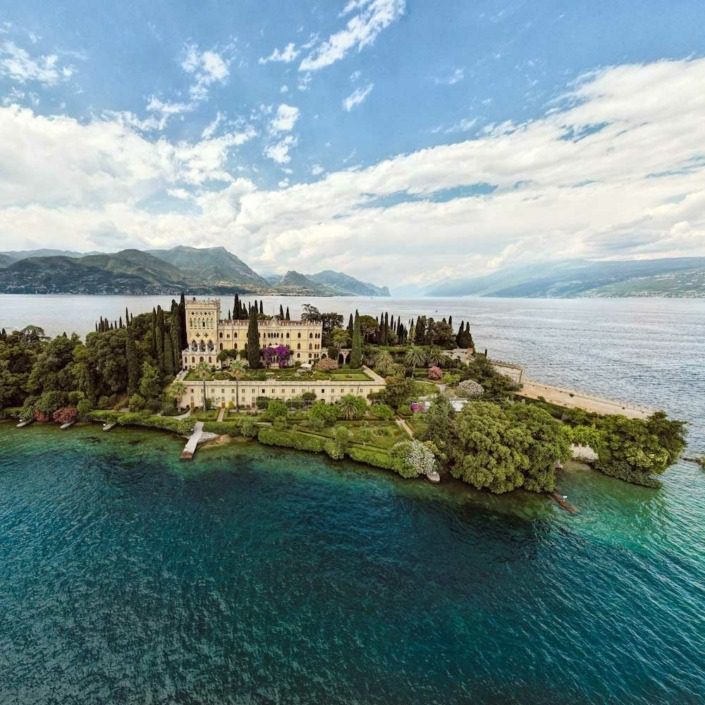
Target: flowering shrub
point(435, 373)
point(65, 414)
point(413, 458)
point(326, 364)
point(469, 388)
point(279, 354)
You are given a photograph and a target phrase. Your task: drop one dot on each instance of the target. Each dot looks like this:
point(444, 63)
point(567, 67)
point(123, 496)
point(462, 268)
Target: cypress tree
point(133, 363)
point(459, 337)
point(159, 333)
point(288, 317)
point(261, 307)
point(450, 322)
point(175, 333)
point(168, 357)
point(253, 351)
point(356, 352)
point(183, 342)
point(350, 325)
point(281, 312)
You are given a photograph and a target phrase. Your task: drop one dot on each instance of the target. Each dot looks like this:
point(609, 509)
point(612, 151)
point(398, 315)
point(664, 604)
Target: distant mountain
point(674, 277)
point(297, 284)
point(212, 264)
point(127, 272)
point(211, 270)
point(345, 285)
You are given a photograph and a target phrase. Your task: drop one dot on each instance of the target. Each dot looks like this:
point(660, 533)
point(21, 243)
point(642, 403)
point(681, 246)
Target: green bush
point(229, 428)
point(249, 427)
point(290, 439)
point(371, 456)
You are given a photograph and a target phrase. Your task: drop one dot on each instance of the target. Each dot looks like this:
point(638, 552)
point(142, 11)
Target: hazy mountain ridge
point(212, 270)
point(344, 284)
point(675, 277)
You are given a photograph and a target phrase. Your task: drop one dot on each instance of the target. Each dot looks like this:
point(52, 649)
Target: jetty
point(24, 423)
point(190, 448)
point(563, 502)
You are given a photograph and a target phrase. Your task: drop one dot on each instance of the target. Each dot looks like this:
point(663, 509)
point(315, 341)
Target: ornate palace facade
point(207, 335)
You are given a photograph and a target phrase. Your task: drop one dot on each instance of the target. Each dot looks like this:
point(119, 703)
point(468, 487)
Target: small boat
point(433, 476)
point(109, 425)
point(24, 423)
point(66, 425)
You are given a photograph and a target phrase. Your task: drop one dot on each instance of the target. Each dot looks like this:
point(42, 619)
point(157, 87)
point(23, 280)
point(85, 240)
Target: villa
point(207, 335)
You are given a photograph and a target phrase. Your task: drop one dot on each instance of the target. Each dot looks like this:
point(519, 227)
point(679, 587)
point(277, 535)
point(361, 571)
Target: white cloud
point(18, 65)
point(212, 127)
point(285, 118)
point(207, 67)
point(317, 170)
point(357, 97)
point(455, 76)
point(616, 169)
point(285, 55)
point(361, 30)
point(279, 151)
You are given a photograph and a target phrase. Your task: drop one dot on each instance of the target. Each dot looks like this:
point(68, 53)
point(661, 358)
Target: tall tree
point(356, 352)
point(133, 362)
point(281, 312)
point(159, 340)
point(168, 357)
point(183, 341)
point(253, 349)
point(288, 317)
point(175, 333)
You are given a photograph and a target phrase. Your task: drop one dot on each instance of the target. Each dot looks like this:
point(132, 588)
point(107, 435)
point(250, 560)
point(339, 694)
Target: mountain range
point(212, 270)
point(682, 277)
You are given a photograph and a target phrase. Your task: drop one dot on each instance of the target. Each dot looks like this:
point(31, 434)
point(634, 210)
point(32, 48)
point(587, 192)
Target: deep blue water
point(258, 576)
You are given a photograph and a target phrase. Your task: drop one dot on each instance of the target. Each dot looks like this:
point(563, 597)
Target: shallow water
point(258, 576)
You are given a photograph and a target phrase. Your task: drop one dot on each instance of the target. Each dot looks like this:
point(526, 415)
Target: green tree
point(253, 349)
point(276, 408)
point(150, 384)
point(237, 370)
point(415, 357)
point(133, 363)
point(356, 353)
point(351, 407)
point(322, 415)
point(384, 363)
point(439, 419)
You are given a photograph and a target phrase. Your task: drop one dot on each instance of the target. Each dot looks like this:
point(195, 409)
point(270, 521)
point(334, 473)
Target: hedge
point(371, 456)
point(231, 427)
point(290, 439)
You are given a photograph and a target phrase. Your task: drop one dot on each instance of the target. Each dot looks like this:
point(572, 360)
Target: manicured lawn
point(288, 374)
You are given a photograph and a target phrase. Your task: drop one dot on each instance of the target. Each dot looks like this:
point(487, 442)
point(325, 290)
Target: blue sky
point(403, 141)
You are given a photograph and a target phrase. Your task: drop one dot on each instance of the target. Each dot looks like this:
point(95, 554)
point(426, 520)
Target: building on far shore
point(207, 335)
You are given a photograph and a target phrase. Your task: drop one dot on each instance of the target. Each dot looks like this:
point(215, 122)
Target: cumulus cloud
point(285, 118)
point(357, 97)
point(285, 55)
point(19, 65)
point(207, 67)
point(370, 19)
point(279, 151)
point(615, 168)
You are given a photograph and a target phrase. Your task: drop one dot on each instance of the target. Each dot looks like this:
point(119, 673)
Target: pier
point(190, 448)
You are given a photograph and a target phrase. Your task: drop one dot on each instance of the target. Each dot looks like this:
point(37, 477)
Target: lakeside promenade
point(577, 400)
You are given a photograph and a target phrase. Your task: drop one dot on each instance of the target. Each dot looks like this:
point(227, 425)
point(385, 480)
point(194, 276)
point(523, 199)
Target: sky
point(401, 141)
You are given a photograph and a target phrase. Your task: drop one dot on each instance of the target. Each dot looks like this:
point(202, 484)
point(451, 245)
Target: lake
point(259, 576)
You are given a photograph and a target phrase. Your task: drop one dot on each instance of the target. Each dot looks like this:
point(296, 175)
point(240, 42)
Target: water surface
point(258, 576)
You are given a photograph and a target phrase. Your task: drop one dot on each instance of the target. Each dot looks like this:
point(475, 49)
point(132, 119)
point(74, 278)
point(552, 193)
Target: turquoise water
point(258, 576)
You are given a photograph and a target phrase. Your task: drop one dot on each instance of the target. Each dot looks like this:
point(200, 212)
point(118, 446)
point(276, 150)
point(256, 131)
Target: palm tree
point(176, 392)
point(202, 371)
point(435, 356)
point(384, 363)
point(414, 356)
point(237, 370)
point(348, 407)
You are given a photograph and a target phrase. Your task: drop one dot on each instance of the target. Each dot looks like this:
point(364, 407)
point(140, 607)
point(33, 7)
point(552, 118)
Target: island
point(411, 396)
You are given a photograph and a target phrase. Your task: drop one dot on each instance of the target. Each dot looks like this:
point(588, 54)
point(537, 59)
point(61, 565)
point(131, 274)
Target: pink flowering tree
point(276, 355)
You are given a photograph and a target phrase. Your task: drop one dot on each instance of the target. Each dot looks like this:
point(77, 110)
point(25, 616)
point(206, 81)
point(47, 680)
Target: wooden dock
point(190, 448)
